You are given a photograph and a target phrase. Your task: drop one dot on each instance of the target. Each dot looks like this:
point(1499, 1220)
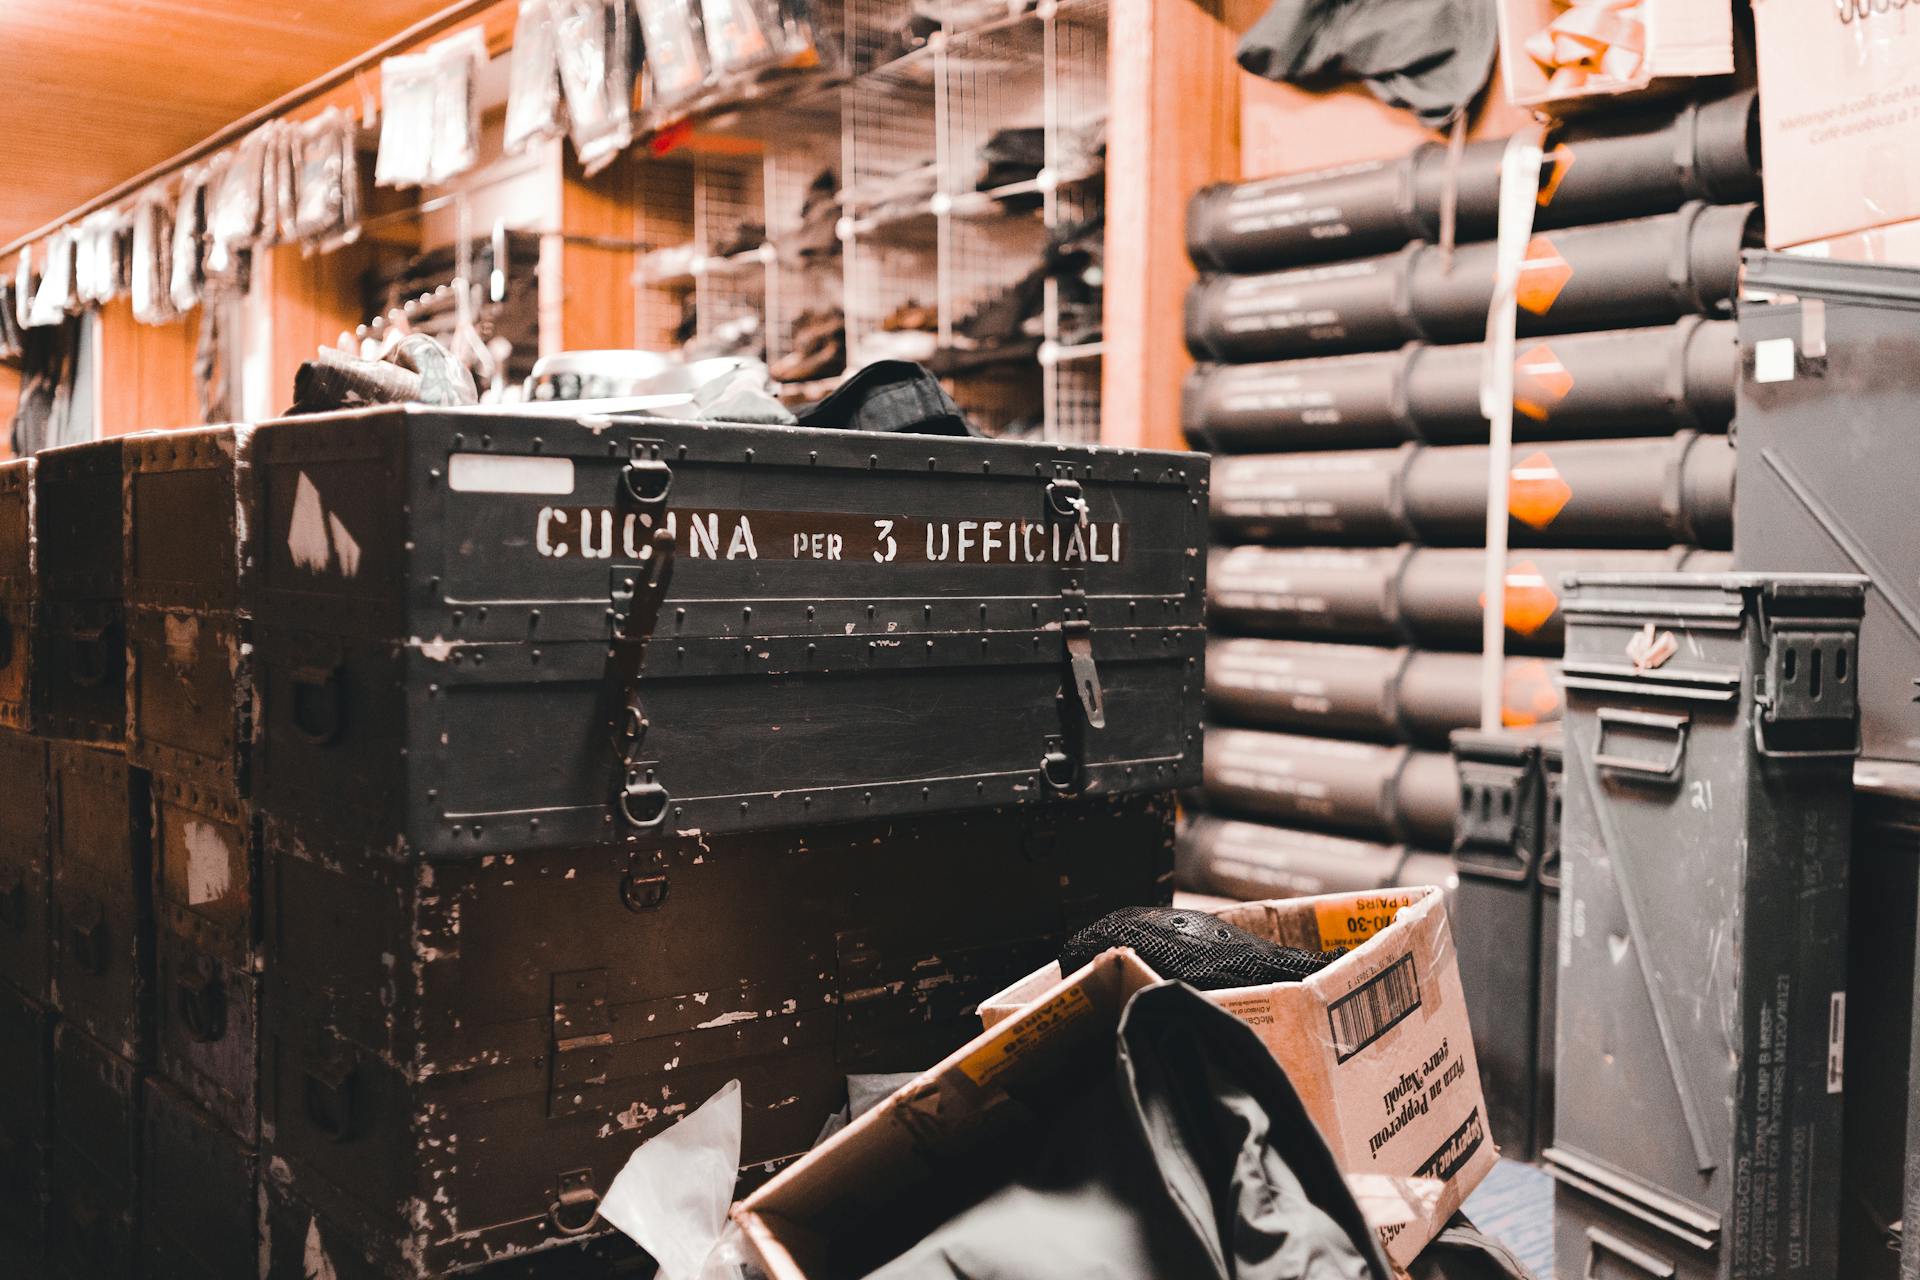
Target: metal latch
point(1810, 676)
point(575, 1203)
point(1077, 629)
point(636, 594)
point(582, 1039)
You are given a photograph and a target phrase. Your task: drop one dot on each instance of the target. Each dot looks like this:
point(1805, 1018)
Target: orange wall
point(146, 372)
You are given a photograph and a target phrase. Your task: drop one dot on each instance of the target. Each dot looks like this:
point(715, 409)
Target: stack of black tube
point(1339, 381)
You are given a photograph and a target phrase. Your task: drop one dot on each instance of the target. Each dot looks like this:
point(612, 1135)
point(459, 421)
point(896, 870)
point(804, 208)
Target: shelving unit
point(901, 135)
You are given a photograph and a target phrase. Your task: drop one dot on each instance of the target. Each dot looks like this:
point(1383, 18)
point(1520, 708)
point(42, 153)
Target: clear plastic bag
point(150, 271)
point(186, 273)
point(283, 178)
point(430, 119)
point(25, 281)
point(54, 296)
point(676, 56)
point(595, 43)
point(533, 82)
point(235, 190)
point(96, 276)
point(325, 167)
point(748, 37)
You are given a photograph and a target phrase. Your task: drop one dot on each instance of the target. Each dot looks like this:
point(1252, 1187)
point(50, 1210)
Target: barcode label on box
point(1374, 1008)
point(1836, 1042)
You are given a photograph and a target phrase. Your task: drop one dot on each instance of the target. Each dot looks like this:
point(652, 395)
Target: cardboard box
point(1683, 39)
point(1897, 244)
point(1839, 116)
point(1377, 1044)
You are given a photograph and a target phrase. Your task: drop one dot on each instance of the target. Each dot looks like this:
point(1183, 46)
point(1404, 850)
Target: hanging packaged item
point(185, 268)
point(594, 41)
point(96, 265)
point(234, 205)
point(54, 294)
point(677, 67)
point(533, 82)
point(150, 274)
point(326, 180)
point(280, 212)
point(430, 120)
point(747, 37)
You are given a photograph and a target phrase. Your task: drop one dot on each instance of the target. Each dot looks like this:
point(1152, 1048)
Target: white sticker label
point(209, 863)
point(505, 473)
point(1836, 1042)
point(1773, 360)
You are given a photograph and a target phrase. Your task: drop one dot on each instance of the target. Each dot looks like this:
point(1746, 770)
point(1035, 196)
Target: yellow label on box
point(1348, 922)
point(1026, 1033)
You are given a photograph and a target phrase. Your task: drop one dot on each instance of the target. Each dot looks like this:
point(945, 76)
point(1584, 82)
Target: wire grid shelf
point(878, 32)
point(665, 196)
point(729, 274)
point(805, 272)
point(1072, 389)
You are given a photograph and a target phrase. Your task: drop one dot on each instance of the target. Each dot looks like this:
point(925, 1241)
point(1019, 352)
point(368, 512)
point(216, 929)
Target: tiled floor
point(1515, 1205)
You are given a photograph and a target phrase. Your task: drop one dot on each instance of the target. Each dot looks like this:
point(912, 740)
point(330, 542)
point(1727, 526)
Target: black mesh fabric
point(1194, 948)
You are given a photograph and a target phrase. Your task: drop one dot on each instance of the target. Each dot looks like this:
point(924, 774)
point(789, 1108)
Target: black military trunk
point(103, 897)
point(1498, 840)
point(17, 590)
point(95, 1211)
point(853, 625)
point(25, 869)
point(189, 670)
point(1623, 382)
point(26, 1117)
point(198, 1187)
point(79, 638)
point(437, 1096)
point(1362, 788)
point(1710, 735)
point(206, 949)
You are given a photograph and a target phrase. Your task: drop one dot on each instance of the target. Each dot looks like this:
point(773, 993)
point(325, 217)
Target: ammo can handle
point(316, 715)
point(1617, 717)
point(89, 668)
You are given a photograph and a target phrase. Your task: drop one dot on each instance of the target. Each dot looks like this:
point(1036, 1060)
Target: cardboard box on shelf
point(1839, 117)
point(1897, 244)
point(1643, 50)
point(1377, 1044)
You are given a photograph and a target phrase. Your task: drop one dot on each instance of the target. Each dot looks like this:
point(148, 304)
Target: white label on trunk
point(209, 864)
point(505, 473)
point(1773, 360)
point(1837, 1042)
point(307, 532)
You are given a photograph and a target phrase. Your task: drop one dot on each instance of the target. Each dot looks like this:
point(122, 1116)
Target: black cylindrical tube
point(1344, 212)
point(1363, 788)
point(1255, 860)
point(1418, 868)
point(1427, 595)
point(1643, 271)
point(1347, 594)
point(1343, 306)
point(1363, 691)
point(1645, 492)
point(1308, 498)
point(1438, 595)
point(1615, 166)
point(1618, 382)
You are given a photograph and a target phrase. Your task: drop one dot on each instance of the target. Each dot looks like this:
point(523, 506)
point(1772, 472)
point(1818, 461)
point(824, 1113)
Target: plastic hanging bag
point(594, 39)
point(54, 296)
point(676, 57)
point(430, 119)
point(289, 144)
point(233, 204)
point(533, 81)
point(150, 273)
point(25, 281)
point(185, 265)
point(326, 180)
point(748, 37)
point(96, 276)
